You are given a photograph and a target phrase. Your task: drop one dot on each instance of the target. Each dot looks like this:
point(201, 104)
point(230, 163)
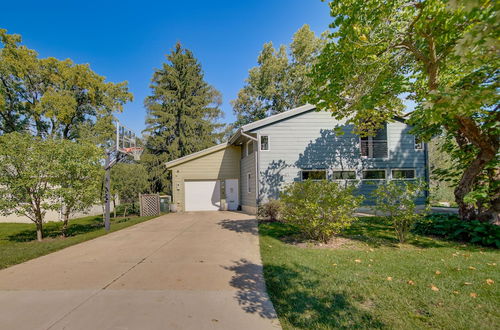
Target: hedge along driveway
point(18, 240)
point(373, 282)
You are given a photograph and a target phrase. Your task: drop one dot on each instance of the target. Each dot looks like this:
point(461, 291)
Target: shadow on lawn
point(54, 229)
point(293, 291)
point(240, 226)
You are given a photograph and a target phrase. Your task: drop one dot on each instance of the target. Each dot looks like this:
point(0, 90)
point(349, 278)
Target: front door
point(232, 194)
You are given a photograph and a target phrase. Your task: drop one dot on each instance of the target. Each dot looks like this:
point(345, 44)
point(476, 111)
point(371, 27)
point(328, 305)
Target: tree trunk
point(125, 211)
point(467, 211)
point(65, 224)
point(39, 230)
point(114, 208)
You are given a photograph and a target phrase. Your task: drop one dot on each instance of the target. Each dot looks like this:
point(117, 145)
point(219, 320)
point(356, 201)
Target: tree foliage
point(38, 175)
point(50, 97)
point(77, 176)
point(182, 114)
point(442, 55)
point(280, 81)
point(128, 181)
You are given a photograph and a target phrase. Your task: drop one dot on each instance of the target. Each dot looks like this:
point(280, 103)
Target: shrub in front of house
point(451, 227)
point(396, 199)
point(319, 209)
point(271, 210)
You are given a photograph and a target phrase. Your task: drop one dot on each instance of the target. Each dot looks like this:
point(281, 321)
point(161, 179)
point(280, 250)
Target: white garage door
point(202, 195)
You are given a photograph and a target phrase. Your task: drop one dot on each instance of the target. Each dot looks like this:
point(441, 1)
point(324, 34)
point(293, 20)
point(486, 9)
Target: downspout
point(257, 172)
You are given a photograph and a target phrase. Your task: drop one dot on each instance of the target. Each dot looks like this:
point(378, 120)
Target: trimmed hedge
point(451, 227)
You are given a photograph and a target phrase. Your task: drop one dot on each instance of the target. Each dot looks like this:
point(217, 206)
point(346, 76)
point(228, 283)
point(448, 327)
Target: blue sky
point(127, 40)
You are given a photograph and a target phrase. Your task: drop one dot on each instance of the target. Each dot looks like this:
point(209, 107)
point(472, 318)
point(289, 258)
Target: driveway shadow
point(251, 294)
point(240, 226)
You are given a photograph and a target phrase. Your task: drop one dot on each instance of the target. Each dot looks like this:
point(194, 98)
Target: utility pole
point(107, 191)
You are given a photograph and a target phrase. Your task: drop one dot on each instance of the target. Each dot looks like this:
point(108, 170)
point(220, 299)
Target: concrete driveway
point(199, 270)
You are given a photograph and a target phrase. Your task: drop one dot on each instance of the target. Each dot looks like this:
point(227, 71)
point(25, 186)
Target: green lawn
point(18, 240)
point(365, 284)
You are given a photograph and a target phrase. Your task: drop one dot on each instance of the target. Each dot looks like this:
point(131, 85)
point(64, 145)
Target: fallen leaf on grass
point(334, 264)
point(472, 268)
point(434, 288)
point(491, 264)
point(372, 250)
point(438, 272)
point(473, 295)
point(456, 292)
point(467, 283)
point(489, 281)
point(410, 282)
point(389, 278)
point(357, 260)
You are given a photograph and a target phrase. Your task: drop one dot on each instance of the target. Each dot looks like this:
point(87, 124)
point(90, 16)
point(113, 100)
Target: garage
point(202, 195)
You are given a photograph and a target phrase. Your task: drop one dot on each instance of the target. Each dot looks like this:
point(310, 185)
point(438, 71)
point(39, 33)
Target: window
point(419, 145)
point(249, 179)
point(375, 146)
point(404, 174)
point(374, 175)
point(264, 142)
point(315, 175)
point(249, 148)
point(343, 175)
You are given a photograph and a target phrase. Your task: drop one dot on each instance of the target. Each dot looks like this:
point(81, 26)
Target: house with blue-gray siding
point(295, 145)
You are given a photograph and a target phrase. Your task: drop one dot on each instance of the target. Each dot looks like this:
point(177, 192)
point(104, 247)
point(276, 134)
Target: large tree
point(280, 81)
point(182, 114)
point(443, 55)
point(50, 97)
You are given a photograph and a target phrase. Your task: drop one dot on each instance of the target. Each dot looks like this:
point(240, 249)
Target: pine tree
point(280, 81)
point(182, 114)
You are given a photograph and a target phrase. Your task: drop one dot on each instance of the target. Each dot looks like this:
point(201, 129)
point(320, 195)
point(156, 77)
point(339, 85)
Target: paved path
point(179, 271)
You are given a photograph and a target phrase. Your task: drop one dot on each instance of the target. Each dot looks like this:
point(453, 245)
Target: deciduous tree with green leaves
point(443, 55)
point(128, 181)
point(182, 114)
point(26, 177)
point(77, 176)
point(280, 81)
point(50, 97)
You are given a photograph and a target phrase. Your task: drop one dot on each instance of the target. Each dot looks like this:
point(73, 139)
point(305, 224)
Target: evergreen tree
point(280, 81)
point(182, 114)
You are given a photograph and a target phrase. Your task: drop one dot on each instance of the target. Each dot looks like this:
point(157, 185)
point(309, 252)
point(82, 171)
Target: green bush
point(397, 200)
point(319, 209)
point(270, 210)
point(451, 227)
point(127, 209)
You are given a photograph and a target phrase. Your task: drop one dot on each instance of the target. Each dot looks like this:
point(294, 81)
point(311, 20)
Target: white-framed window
point(375, 146)
point(419, 145)
point(343, 175)
point(264, 142)
point(403, 174)
point(250, 147)
point(249, 180)
point(314, 175)
point(374, 174)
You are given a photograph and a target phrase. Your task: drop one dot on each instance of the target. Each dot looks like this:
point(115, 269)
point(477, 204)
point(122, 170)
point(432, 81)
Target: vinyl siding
point(219, 165)
point(248, 166)
point(308, 141)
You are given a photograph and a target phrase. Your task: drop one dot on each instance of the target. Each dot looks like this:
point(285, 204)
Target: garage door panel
point(202, 195)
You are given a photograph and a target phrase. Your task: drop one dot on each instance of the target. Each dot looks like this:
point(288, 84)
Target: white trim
point(313, 170)
point(195, 155)
point(277, 117)
point(268, 143)
point(373, 170)
point(404, 169)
